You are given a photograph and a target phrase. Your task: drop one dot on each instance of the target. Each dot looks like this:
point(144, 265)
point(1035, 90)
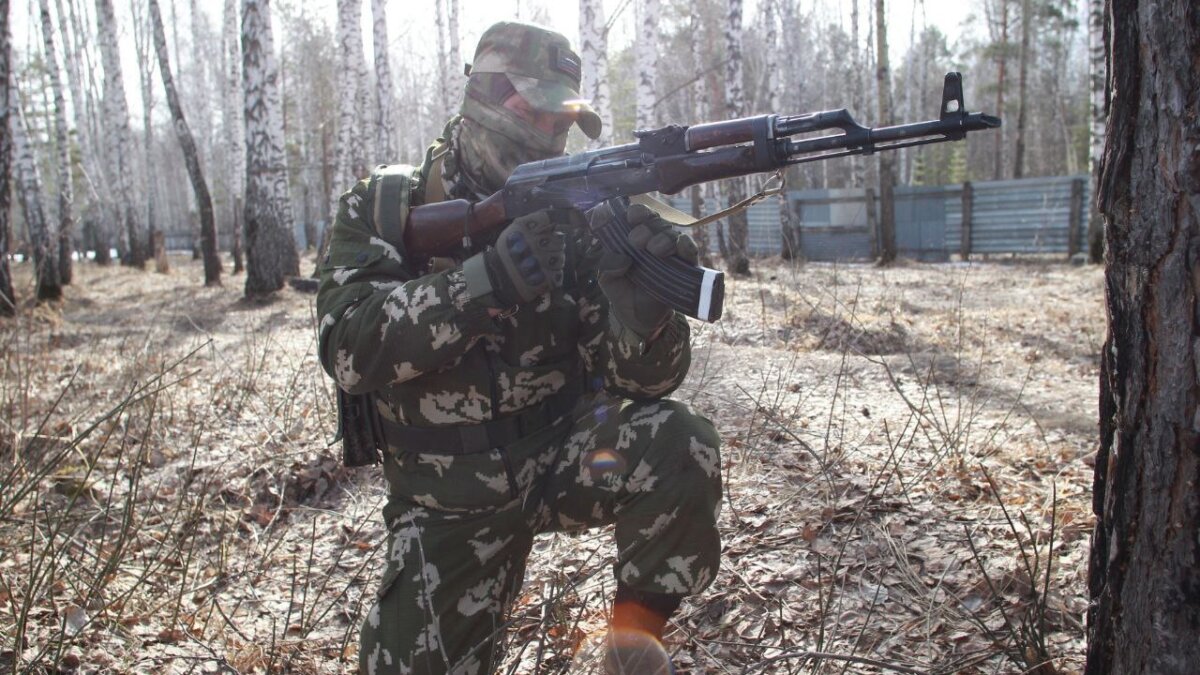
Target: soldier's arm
point(379, 323)
point(625, 366)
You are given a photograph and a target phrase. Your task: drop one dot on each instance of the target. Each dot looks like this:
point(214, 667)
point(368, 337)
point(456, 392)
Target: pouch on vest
point(358, 429)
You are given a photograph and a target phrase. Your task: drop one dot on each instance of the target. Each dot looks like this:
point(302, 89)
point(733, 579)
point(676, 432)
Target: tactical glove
point(526, 262)
point(632, 306)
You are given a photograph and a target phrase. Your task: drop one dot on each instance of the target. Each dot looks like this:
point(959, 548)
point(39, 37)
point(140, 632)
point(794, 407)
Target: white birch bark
point(29, 191)
point(443, 60)
point(736, 260)
point(116, 117)
point(385, 95)
point(141, 42)
point(349, 37)
point(8, 304)
point(456, 79)
point(593, 52)
point(646, 55)
point(233, 104)
point(270, 245)
point(66, 215)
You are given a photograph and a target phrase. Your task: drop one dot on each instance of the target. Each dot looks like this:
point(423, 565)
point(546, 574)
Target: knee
point(683, 448)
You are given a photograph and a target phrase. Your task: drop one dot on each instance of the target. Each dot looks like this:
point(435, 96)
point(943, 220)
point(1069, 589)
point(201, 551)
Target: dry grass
point(904, 459)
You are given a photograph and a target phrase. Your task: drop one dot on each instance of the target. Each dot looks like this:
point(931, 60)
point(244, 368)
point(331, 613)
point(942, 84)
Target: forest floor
point(906, 461)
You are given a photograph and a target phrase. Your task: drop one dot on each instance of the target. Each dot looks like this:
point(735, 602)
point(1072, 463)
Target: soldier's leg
point(653, 468)
point(456, 557)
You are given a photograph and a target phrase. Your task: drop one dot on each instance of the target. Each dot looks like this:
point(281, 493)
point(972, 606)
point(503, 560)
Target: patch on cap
point(564, 61)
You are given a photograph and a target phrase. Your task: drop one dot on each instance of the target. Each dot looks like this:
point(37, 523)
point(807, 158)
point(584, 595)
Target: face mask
point(494, 141)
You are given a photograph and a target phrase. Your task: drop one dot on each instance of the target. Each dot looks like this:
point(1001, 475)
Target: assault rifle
point(668, 160)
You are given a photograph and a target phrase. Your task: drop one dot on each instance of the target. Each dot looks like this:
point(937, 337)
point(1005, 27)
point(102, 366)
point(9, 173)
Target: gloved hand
point(527, 260)
point(633, 307)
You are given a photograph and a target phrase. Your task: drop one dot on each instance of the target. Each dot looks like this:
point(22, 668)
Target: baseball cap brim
point(556, 97)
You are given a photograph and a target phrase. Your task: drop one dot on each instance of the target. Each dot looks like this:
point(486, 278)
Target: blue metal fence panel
point(1018, 216)
point(921, 223)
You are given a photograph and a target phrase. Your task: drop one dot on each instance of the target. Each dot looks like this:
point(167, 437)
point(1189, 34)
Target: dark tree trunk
point(1022, 89)
point(208, 226)
point(887, 177)
point(1144, 573)
point(8, 303)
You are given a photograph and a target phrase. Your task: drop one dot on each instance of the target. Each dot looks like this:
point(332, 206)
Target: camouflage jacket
point(434, 356)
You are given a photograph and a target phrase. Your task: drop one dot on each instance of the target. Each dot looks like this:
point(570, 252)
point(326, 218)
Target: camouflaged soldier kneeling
point(519, 387)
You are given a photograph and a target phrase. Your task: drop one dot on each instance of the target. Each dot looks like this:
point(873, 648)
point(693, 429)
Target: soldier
point(519, 388)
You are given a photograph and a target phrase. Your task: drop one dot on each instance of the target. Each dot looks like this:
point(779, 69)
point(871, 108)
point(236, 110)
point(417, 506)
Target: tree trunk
point(736, 259)
point(1023, 89)
point(887, 180)
point(349, 33)
point(29, 189)
point(445, 102)
point(117, 123)
point(385, 96)
point(1002, 56)
point(235, 131)
point(191, 158)
point(62, 146)
point(593, 52)
point(1144, 573)
point(1097, 50)
point(8, 301)
point(457, 78)
point(696, 104)
point(646, 54)
point(270, 246)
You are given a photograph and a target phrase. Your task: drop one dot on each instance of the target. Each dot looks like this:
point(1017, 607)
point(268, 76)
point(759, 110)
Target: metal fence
point(1029, 216)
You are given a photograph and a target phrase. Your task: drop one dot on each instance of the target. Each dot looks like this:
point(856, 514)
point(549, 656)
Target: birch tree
point(385, 96)
point(62, 146)
point(83, 108)
point(1143, 579)
point(1097, 51)
point(646, 54)
point(887, 180)
point(232, 107)
point(270, 245)
point(443, 58)
point(116, 117)
point(350, 57)
point(593, 52)
point(735, 252)
point(8, 301)
point(456, 78)
point(191, 157)
point(697, 110)
point(29, 190)
point(141, 41)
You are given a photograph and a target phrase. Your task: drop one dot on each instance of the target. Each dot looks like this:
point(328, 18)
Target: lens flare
point(604, 461)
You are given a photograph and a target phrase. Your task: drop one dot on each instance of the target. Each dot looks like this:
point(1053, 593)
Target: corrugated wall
point(1029, 216)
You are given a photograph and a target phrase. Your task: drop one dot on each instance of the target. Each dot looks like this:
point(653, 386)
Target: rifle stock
point(668, 160)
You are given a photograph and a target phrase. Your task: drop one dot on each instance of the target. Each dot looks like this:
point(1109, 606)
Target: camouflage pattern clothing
point(406, 331)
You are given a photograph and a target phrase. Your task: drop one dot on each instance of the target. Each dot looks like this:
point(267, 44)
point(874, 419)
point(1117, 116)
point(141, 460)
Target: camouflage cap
point(541, 67)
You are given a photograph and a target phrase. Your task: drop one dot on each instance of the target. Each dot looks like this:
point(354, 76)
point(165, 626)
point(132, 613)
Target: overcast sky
point(412, 22)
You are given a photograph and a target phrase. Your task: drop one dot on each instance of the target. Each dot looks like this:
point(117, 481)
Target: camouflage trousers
point(461, 527)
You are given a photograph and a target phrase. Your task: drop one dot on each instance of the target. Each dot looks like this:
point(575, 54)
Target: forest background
point(906, 448)
point(346, 106)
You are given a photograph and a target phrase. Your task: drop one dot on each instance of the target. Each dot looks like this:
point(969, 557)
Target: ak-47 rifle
point(668, 160)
